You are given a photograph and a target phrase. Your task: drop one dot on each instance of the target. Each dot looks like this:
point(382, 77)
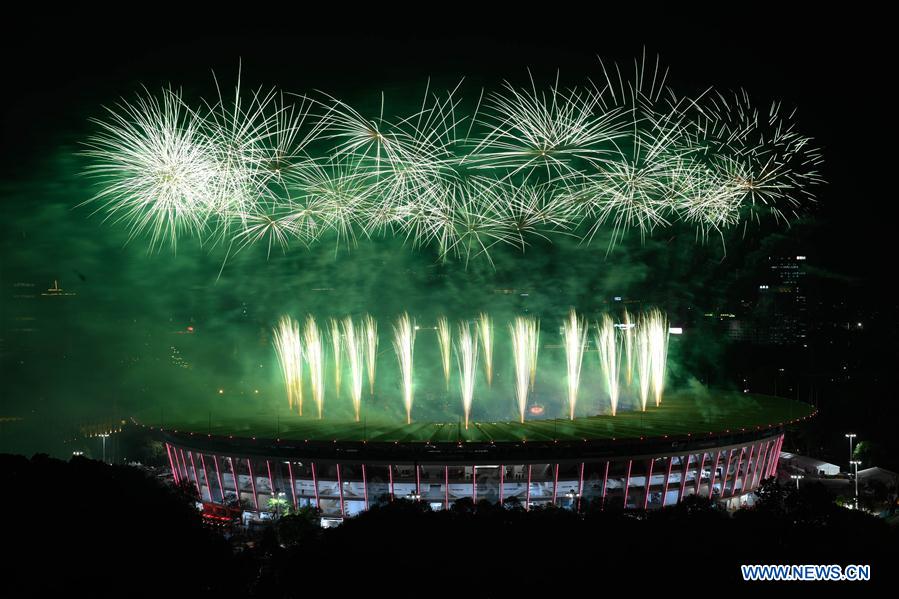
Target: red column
point(218, 475)
point(580, 488)
point(555, 483)
point(365, 486)
point(206, 476)
point(605, 481)
point(236, 484)
point(502, 476)
point(699, 474)
point(667, 477)
point(184, 463)
point(714, 474)
point(683, 480)
point(746, 472)
point(340, 491)
point(318, 502)
point(196, 478)
point(730, 457)
point(418, 481)
point(527, 501)
point(253, 484)
point(293, 487)
point(760, 465)
point(627, 483)
point(780, 443)
point(474, 484)
point(390, 476)
point(175, 476)
point(648, 483)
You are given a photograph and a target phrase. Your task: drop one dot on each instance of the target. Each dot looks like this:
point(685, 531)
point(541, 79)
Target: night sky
point(121, 345)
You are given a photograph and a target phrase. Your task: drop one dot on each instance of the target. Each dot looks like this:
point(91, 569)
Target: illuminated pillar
point(667, 477)
point(218, 474)
point(446, 487)
point(627, 483)
point(293, 487)
point(605, 481)
point(206, 476)
point(474, 484)
point(253, 484)
point(502, 476)
point(193, 466)
point(683, 481)
point(777, 456)
point(340, 491)
point(746, 472)
point(318, 503)
point(760, 465)
point(184, 463)
point(699, 474)
point(555, 483)
point(390, 477)
point(175, 476)
point(730, 455)
point(365, 486)
point(418, 482)
point(527, 501)
point(234, 474)
point(271, 481)
point(714, 474)
point(648, 483)
point(580, 488)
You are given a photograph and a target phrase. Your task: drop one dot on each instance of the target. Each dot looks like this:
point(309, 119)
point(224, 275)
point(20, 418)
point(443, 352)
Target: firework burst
point(609, 358)
point(404, 344)
point(314, 353)
point(485, 335)
point(530, 162)
point(574, 335)
point(445, 340)
point(355, 350)
point(467, 361)
point(289, 347)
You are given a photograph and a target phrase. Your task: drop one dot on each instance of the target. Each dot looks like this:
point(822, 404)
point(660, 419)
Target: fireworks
point(289, 347)
point(355, 349)
point(657, 345)
point(574, 334)
point(300, 352)
point(444, 338)
point(627, 333)
point(485, 334)
point(370, 328)
point(524, 332)
point(314, 353)
point(404, 343)
point(534, 161)
point(336, 344)
point(466, 359)
point(609, 358)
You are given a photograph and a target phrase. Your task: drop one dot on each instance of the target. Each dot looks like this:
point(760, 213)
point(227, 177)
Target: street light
point(850, 436)
point(797, 478)
point(856, 463)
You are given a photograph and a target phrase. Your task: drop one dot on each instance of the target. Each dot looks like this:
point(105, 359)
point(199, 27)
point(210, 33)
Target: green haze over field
point(120, 346)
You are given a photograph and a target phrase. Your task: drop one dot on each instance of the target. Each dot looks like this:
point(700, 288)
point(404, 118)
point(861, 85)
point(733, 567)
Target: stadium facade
point(343, 478)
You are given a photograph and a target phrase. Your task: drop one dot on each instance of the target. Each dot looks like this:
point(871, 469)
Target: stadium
point(716, 446)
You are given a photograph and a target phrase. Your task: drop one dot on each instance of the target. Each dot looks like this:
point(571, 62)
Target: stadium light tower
point(850, 436)
point(104, 436)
